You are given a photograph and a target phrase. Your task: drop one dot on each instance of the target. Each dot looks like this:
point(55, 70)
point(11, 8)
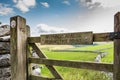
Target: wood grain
point(97, 37)
point(18, 49)
point(74, 64)
point(116, 75)
point(68, 38)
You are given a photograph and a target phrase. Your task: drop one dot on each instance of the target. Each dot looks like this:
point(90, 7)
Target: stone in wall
point(5, 72)
point(4, 29)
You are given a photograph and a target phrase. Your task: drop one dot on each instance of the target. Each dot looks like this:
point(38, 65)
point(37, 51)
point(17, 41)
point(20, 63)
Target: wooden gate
point(21, 42)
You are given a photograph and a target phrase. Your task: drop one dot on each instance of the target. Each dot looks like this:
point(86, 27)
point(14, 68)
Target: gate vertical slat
point(28, 54)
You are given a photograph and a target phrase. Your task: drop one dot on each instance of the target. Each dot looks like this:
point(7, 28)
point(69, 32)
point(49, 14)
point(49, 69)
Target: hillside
point(79, 74)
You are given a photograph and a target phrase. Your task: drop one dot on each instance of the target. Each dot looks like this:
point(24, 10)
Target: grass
point(108, 58)
point(79, 74)
point(94, 47)
point(70, 55)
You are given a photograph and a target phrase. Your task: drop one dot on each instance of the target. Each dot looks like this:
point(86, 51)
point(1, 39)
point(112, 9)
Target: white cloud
point(5, 9)
point(45, 4)
point(91, 4)
point(46, 29)
point(97, 17)
point(66, 2)
point(24, 5)
point(108, 3)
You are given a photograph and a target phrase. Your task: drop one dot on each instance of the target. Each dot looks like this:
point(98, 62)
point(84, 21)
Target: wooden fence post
point(116, 48)
point(28, 54)
point(18, 48)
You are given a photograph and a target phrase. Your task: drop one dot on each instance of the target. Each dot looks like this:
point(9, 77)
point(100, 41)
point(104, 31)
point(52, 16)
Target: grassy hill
point(79, 74)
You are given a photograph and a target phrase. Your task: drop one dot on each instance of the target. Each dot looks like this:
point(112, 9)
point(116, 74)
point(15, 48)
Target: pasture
point(79, 74)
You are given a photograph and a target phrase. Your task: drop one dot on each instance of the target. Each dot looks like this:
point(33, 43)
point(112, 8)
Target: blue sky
point(52, 16)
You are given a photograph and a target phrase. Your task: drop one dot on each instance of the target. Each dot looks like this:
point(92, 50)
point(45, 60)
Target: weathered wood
point(28, 54)
point(34, 39)
point(97, 37)
point(18, 48)
point(4, 63)
point(29, 66)
point(33, 77)
point(38, 51)
point(74, 64)
point(102, 37)
point(50, 67)
point(68, 38)
point(116, 72)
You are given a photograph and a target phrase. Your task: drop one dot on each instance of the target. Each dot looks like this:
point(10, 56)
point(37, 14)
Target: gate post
point(116, 73)
point(18, 49)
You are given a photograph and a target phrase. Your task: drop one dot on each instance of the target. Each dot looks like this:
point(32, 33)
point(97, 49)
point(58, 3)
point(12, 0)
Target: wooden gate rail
point(74, 64)
point(97, 37)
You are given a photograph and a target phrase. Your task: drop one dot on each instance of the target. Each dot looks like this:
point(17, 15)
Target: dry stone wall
point(5, 72)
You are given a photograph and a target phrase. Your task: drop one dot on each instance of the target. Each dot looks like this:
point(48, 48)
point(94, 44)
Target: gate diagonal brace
point(114, 35)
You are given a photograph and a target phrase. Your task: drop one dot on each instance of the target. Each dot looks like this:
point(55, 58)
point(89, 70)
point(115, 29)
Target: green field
point(79, 74)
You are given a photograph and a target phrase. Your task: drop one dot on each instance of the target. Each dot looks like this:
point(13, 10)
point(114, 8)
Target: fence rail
point(74, 64)
point(97, 37)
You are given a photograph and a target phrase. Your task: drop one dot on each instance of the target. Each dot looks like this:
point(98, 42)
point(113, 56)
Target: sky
point(56, 16)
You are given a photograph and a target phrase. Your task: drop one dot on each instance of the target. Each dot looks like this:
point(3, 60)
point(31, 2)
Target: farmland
point(79, 74)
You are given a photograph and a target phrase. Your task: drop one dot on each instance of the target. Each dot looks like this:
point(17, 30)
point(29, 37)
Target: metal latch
point(114, 35)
